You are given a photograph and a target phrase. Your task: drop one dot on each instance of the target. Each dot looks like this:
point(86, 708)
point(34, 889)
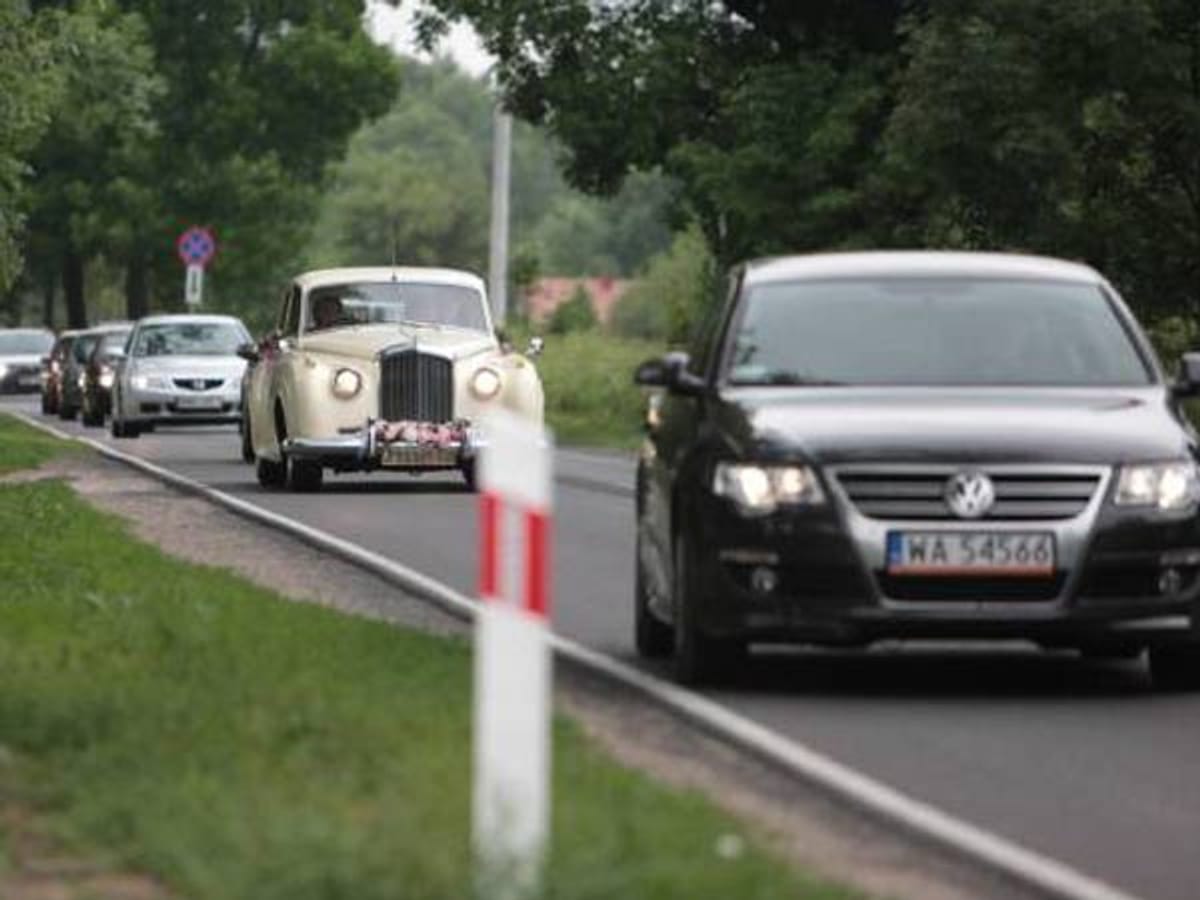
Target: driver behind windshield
point(327, 312)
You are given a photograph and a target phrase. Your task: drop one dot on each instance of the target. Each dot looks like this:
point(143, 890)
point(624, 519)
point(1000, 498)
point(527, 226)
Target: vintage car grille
point(198, 384)
point(417, 387)
point(1027, 495)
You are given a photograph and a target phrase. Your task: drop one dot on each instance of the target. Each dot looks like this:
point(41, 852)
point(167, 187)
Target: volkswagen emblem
point(970, 495)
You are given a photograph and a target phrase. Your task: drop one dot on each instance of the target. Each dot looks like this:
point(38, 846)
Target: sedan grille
point(1025, 495)
point(416, 387)
point(198, 384)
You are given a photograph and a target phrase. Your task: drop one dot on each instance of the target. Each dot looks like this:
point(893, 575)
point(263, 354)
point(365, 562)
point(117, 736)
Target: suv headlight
point(759, 490)
point(1169, 486)
point(485, 383)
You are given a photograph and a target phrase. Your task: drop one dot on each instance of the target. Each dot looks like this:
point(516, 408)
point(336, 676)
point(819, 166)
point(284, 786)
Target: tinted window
point(426, 304)
point(82, 348)
point(32, 343)
point(189, 339)
point(932, 332)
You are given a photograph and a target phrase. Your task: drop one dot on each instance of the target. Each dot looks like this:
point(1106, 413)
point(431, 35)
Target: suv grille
point(416, 387)
point(1029, 495)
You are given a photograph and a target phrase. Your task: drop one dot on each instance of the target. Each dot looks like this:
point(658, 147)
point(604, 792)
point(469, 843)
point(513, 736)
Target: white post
point(501, 180)
point(193, 286)
point(512, 661)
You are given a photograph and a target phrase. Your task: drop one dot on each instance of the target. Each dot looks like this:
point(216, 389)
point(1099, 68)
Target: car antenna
point(395, 247)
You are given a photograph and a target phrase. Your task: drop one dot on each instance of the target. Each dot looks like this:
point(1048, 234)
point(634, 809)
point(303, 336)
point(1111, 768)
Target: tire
point(699, 658)
point(47, 406)
point(90, 417)
point(1176, 667)
point(303, 476)
point(470, 475)
point(271, 475)
point(247, 443)
point(653, 638)
point(66, 413)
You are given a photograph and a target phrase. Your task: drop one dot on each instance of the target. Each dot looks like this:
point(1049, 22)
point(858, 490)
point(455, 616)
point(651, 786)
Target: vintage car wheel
point(653, 638)
point(699, 658)
point(271, 475)
point(303, 476)
point(247, 443)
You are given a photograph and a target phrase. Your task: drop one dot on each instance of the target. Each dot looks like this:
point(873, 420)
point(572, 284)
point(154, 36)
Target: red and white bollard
point(512, 659)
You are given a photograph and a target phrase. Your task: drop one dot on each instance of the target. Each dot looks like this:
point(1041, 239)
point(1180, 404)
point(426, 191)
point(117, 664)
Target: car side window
point(291, 326)
point(706, 343)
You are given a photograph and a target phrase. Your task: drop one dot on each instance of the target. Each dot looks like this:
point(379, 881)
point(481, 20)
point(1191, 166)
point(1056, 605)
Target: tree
point(30, 84)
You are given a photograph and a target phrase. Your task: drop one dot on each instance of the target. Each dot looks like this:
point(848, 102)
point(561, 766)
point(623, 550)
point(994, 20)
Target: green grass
point(590, 395)
point(177, 720)
point(22, 447)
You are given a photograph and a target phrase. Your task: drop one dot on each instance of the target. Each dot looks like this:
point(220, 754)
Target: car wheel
point(271, 475)
point(653, 637)
point(47, 406)
point(303, 476)
point(247, 443)
point(1176, 667)
point(470, 475)
point(65, 412)
point(699, 658)
point(90, 418)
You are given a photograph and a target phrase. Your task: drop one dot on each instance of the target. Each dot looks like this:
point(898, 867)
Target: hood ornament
point(970, 495)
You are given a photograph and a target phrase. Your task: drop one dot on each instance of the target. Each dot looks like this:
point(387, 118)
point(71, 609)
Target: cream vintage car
point(380, 368)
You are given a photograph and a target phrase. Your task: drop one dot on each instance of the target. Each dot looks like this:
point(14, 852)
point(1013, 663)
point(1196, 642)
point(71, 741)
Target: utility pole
point(501, 186)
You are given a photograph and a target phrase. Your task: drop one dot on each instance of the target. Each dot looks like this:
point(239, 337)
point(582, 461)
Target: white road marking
point(1027, 866)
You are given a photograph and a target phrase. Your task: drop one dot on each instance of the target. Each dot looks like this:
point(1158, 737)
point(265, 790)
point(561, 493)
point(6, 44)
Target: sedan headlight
point(148, 383)
point(1169, 486)
point(485, 383)
point(346, 384)
point(759, 490)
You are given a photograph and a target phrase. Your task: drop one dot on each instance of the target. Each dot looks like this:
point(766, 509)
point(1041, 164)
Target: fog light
point(763, 580)
point(1170, 582)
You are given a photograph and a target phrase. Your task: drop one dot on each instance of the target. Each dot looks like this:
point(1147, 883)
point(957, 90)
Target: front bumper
point(159, 407)
point(1129, 578)
point(21, 381)
point(404, 446)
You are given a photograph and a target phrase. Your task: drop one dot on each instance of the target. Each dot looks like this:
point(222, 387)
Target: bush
point(672, 294)
point(574, 315)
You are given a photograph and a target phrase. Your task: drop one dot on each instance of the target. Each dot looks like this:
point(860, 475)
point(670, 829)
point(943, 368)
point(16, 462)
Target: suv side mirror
point(1188, 383)
point(669, 371)
point(248, 351)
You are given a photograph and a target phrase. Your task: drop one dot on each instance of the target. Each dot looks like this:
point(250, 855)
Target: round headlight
point(346, 383)
point(485, 383)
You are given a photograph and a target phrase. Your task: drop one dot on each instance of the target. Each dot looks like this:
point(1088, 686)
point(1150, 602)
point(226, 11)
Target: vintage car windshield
point(940, 332)
point(25, 342)
point(189, 339)
point(337, 306)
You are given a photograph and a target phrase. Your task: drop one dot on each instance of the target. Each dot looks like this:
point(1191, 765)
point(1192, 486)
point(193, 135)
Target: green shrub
point(574, 315)
point(672, 294)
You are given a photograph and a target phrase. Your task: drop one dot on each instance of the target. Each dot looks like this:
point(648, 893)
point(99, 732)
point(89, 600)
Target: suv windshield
point(337, 306)
point(189, 339)
point(943, 332)
point(25, 343)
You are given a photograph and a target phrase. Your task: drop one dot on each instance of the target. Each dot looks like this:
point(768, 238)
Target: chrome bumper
point(363, 450)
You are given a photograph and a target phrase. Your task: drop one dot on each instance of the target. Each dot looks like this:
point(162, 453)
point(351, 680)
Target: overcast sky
point(394, 27)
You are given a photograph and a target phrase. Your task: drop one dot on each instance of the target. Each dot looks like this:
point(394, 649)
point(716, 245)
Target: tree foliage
point(1068, 128)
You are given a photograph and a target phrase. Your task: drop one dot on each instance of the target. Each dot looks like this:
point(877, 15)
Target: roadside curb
point(1006, 858)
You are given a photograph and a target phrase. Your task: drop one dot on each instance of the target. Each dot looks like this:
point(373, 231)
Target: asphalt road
point(1077, 760)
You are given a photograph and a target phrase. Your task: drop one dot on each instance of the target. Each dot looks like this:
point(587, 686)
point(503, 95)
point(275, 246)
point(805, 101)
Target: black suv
point(919, 445)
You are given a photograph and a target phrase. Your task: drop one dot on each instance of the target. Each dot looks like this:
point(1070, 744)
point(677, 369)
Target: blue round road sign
point(196, 246)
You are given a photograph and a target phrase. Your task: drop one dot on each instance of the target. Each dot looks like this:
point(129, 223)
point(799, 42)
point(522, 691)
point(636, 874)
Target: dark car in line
point(877, 446)
point(52, 372)
point(100, 371)
point(21, 354)
point(71, 378)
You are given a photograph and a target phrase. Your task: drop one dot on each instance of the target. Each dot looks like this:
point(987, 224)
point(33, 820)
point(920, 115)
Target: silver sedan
point(179, 370)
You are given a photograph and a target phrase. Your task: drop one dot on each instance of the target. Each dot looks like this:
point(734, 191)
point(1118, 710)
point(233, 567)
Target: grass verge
point(22, 447)
point(590, 395)
point(183, 722)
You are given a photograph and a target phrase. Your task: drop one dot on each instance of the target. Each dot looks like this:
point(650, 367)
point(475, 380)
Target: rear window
point(943, 332)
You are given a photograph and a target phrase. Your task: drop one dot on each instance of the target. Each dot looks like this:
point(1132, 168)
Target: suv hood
point(967, 425)
point(20, 359)
point(368, 341)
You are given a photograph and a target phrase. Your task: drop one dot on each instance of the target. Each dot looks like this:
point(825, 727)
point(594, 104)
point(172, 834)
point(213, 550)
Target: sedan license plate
point(982, 553)
point(198, 402)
